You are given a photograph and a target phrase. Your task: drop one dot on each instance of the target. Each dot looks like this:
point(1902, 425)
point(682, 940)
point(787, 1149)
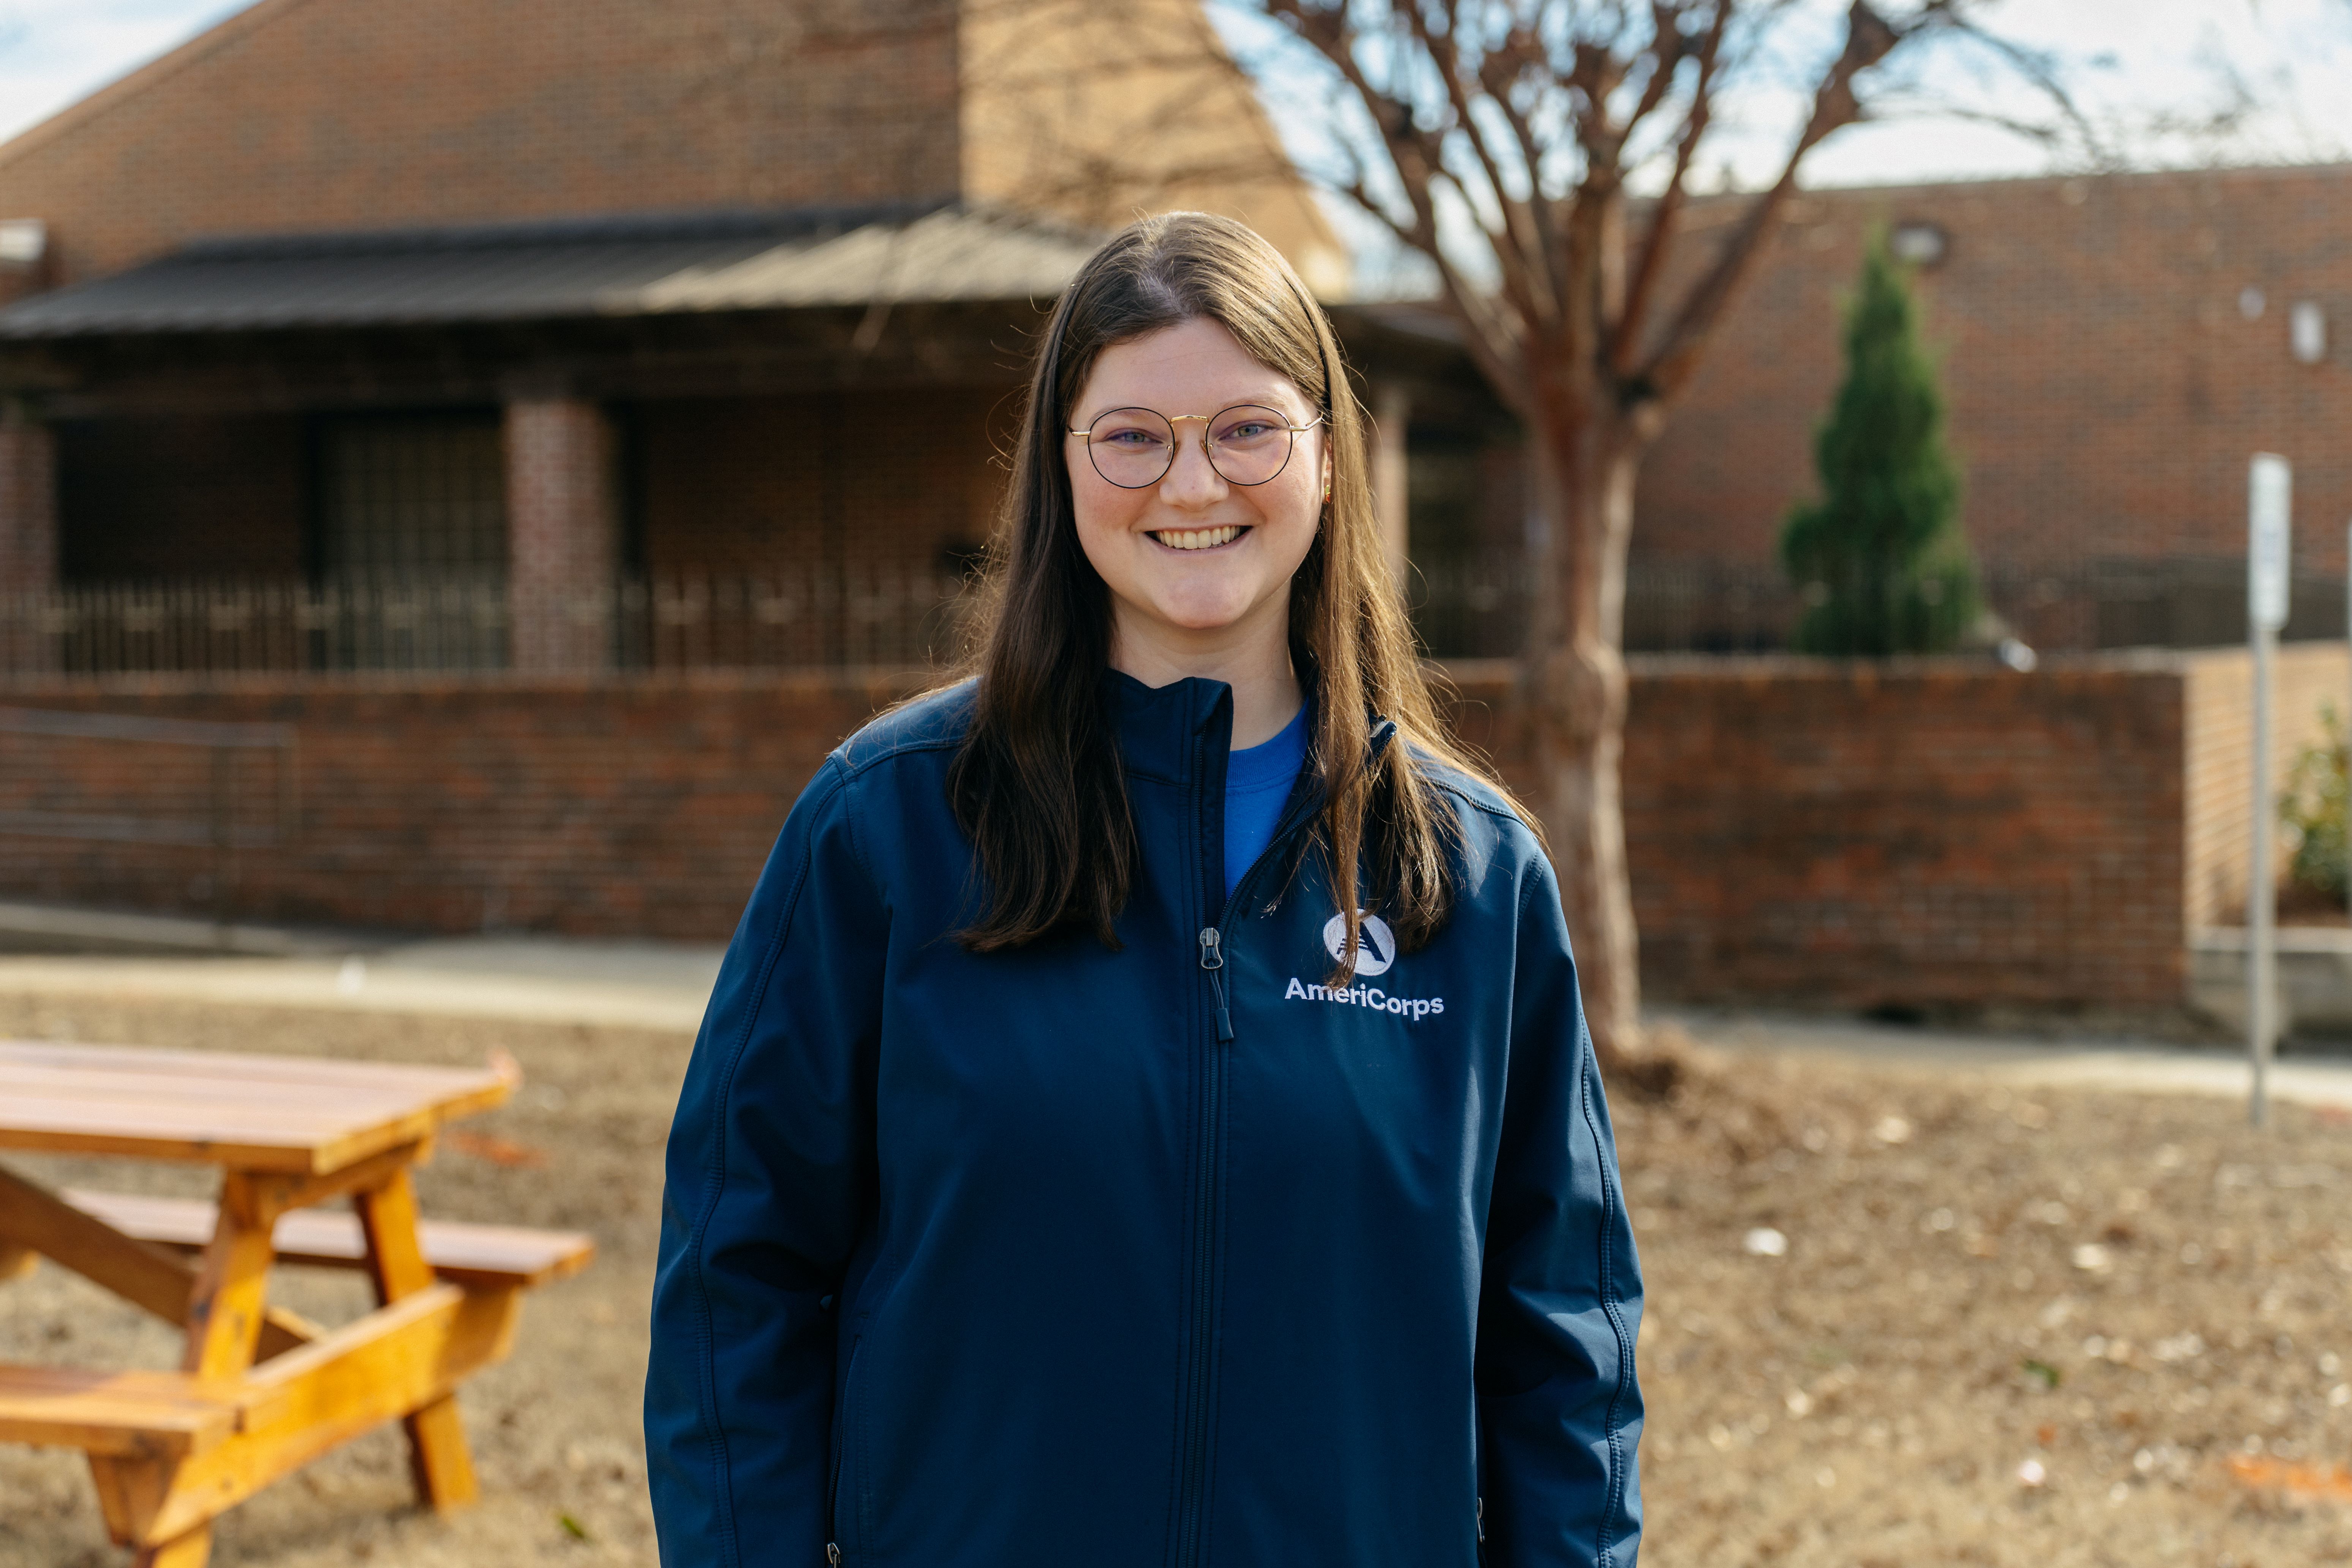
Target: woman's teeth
point(1197, 537)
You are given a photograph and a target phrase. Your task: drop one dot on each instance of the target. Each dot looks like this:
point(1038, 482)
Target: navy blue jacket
point(1172, 1256)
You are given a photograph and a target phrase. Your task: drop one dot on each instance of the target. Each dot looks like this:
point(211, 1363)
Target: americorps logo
point(1376, 953)
point(1375, 943)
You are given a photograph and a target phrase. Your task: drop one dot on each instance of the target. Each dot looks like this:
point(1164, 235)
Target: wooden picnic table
point(259, 1391)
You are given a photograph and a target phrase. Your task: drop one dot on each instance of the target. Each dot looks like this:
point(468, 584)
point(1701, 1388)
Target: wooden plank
point(127, 1413)
point(193, 1550)
point(130, 1488)
point(215, 1136)
point(480, 1256)
point(141, 1273)
point(148, 1061)
point(461, 1253)
point(224, 1309)
point(67, 1079)
point(387, 1217)
point(397, 1360)
point(438, 1461)
point(251, 1112)
point(252, 1101)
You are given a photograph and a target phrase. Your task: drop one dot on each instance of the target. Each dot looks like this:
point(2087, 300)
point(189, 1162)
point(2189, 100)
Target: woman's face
point(1194, 553)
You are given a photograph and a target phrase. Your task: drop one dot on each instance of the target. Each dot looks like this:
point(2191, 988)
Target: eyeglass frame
point(1176, 447)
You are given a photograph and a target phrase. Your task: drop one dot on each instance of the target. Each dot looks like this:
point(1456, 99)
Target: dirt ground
point(1894, 1319)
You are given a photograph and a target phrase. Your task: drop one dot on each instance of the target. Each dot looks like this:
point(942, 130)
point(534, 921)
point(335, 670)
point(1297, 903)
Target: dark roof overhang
point(589, 269)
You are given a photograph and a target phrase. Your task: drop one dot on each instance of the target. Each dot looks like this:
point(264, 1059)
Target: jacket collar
point(1163, 731)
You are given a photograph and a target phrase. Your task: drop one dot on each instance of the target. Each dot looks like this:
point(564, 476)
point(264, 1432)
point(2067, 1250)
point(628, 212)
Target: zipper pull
point(833, 1554)
point(1481, 1518)
point(1212, 959)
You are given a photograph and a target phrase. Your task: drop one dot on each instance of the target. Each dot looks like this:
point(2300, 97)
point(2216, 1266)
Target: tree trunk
point(1572, 689)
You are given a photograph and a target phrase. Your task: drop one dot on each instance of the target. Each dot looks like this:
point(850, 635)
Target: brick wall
point(1098, 111)
point(590, 808)
point(2106, 387)
point(2220, 702)
point(1927, 833)
point(29, 518)
point(303, 115)
point(562, 529)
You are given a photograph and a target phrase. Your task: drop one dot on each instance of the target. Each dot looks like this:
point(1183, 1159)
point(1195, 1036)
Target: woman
point(1066, 1174)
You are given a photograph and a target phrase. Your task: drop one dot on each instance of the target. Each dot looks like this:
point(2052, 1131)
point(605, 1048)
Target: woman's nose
point(1192, 480)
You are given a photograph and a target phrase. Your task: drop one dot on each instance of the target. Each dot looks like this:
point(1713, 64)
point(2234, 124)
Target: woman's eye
point(1253, 427)
point(1140, 439)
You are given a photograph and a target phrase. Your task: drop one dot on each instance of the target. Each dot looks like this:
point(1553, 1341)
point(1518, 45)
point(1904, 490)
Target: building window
point(1918, 242)
point(413, 497)
point(2307, 331)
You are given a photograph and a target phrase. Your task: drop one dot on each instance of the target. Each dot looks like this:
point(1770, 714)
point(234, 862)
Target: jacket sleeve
point(1560, 1307)
point(770, 1185)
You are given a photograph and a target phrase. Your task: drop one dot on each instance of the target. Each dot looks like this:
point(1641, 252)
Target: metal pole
point(2348, 723)
point(2269, 514)
point(2262, 891)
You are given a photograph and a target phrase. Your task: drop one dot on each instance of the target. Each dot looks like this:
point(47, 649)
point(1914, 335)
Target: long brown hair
point(1038, 783)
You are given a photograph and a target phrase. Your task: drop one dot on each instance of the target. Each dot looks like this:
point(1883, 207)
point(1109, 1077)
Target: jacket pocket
point(834, 1514)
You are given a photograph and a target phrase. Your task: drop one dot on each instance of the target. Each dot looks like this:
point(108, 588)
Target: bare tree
point(1502, 138)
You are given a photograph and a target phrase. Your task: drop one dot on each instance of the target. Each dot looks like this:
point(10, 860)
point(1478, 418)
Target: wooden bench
point(169, 1450)
point(260, 1390)
point(477, 1256)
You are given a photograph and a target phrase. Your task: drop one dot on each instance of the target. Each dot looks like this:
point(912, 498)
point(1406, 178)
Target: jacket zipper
point(1212, 959)
point(1193, 1451)
point(833, 1477)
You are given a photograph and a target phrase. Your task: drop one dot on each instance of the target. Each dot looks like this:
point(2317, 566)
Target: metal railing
point(788, 619)
point(811, 616)
point(1477, 607)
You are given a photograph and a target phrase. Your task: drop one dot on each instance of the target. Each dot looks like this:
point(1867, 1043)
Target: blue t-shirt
point(1257, 785)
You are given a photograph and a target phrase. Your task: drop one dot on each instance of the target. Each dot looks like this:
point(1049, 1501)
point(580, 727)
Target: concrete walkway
point(664, 985)
point(2307, 1077)
point(654, 985)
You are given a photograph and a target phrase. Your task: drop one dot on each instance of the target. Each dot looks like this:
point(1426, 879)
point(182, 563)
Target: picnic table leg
point(225, 1312)
point(189, 1551)
point(130, 1491)
point(226, 1307)
point(437, 1456)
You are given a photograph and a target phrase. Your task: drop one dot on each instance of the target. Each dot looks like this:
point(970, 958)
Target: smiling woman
point(1019, 1208)
point(1198, 540)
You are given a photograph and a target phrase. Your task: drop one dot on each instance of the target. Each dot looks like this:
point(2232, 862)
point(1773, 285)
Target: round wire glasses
point(1247, 444)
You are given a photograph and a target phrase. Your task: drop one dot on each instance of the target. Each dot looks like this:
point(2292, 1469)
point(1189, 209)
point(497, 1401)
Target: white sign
point(2269, 503)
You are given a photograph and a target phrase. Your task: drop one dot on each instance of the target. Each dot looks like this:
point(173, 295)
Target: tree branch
point(1868, 40)
point(1520, 248)
point(1625, 340)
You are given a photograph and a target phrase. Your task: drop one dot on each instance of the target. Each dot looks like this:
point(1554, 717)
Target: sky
point(2128, 59)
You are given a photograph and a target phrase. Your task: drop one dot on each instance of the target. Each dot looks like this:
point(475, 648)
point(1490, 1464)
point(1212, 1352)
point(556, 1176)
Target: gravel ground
point(1895, 1318)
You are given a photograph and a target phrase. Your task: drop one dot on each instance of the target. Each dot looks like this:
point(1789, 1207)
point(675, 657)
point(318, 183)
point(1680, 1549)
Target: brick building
point(565, 332)
point(2114, 349)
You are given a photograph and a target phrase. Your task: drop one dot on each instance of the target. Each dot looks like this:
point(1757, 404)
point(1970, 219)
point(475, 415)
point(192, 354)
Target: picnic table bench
point(260, 1391)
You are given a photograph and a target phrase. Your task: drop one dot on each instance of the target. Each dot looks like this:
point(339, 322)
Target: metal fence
point(884, 614)
point(856, 615)
point(1478, 607)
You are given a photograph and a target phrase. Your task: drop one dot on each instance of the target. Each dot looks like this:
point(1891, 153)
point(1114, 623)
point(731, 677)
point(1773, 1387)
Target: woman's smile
point(1189, 539)
point(1195, 564)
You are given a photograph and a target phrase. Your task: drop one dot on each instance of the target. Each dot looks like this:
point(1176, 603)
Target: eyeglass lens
point(1135, 448)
